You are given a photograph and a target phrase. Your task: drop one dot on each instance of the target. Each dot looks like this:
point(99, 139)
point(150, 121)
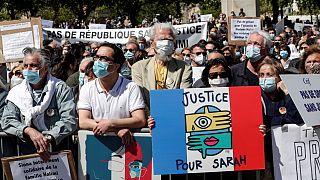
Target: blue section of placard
point(168, 135)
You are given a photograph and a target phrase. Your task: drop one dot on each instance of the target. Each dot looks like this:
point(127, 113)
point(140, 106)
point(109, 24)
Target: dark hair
point(197, 45)
point(118, 55)
point(61, 69)
point(278, 68)
point(139, 55)
point(311, 50)
point(215, 62)
point(286, 48)
point(89, 68)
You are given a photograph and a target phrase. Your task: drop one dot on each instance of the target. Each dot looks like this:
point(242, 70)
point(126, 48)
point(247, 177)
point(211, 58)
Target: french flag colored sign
point(207, 130)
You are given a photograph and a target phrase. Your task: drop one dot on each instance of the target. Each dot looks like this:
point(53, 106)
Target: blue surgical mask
point(125, 71)
point(284, 54)
point(129, 55)
point(81, 78)
point(32, 76)
point(268, 84)
point(253, 53)
point(141, 46)
point(100, 69)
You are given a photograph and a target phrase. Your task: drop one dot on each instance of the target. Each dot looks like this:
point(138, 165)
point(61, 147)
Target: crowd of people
point(102, 87)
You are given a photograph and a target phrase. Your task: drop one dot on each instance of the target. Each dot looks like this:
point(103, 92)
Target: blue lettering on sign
point(310, 107)
point(310, 94)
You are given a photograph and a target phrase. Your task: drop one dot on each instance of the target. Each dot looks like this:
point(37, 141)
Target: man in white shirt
point(111, 102)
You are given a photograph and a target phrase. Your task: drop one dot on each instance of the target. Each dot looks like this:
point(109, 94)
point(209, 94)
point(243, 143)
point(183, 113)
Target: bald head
point(215, 55)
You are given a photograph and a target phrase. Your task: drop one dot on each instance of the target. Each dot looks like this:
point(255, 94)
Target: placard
point(59, 166)
point(240, 28)
point(196, 73)
point(206, 17)
point(105, 157)
point(207, 130)
point(187, 34)
point(304, 90)
point(296, 152)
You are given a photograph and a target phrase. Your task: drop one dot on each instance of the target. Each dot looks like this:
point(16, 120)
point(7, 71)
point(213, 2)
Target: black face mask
point(228, 59)
point(93, 53)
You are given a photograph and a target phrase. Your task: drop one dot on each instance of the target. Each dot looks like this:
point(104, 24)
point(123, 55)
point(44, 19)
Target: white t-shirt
point(124, 98)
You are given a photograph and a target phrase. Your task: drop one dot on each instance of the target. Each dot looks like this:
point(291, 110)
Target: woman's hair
point(311, 50)
point(276, 65)
point(215, 62)
point(61, 69)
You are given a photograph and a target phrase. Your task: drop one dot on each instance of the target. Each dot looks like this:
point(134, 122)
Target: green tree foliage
point(211, 7)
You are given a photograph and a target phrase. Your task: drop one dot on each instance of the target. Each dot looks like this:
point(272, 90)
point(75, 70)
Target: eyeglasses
point(17, 73)
point(203, 53)
point(216, 74)
point(103, 58)
point(188, 55)
point(131, 50)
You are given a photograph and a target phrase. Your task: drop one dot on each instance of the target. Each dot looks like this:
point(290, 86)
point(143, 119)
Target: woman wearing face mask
point(186, 53)
point(284, 56)
point(215, 74)
point(310, 62)
point(229, 55)
point(278, 106)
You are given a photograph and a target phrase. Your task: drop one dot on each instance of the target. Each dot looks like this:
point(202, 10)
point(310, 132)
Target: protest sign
point(207, 130)
point(47, 23)
point(279, 27)
point(304, 90)
point(296, 152)
point(97, 26)
point(206, 17)
point(196, 73)
point(105, 157)
point(187, 34)
point(17, 35)
point(299, 26)
point(60, 166)
point(241, 27)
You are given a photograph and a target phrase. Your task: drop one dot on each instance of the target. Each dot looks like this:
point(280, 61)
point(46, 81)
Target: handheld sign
point(296, 152)
point(240, 28)
point(60, 166)
point(304, 90)
point(207, 130)
point(106, 157)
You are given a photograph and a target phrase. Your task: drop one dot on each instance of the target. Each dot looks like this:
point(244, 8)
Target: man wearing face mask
point(129, 51)
point(41, 110)
point(111, 102)
point(245, 73)
point(198, 56)
point(162, 71)
point(142, 43)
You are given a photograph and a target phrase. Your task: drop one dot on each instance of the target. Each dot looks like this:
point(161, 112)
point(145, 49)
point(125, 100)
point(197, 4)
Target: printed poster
point(207, 130)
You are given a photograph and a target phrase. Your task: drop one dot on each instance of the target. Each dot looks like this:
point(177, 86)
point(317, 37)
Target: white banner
point(188, 34)
point(304, 90)
point(295, 152)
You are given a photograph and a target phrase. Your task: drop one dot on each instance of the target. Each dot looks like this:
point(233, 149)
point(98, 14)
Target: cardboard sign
point(296, 152)
point(207, 130)
point(304, 90)
point(240, 28)
point(17, 35)
point(188, 34)
point(105, 157)
point(60, 166)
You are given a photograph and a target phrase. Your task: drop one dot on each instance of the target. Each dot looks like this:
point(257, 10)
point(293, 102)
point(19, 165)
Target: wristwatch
point(49, 137)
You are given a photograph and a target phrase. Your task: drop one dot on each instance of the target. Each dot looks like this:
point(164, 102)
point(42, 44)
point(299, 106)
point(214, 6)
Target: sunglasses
point(199, 53)
point(188, 55)
point(216, 74)
point(17, 73)
point(131, 50)
point(103, 58)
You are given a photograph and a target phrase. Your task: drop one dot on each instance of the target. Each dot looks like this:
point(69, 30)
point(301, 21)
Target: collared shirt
point(161, 71)
point(124, 98)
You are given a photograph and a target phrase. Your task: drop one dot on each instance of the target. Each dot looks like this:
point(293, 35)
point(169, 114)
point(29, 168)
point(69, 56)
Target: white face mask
point(15, 80)
point(187, 59)
point(218, 82)
point(200, 59)
point(164, 49)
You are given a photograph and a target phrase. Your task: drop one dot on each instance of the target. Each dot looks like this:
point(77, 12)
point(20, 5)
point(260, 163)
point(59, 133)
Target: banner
point(304, 90)
point(240, 28)
point(196, 73)
point(187, 34)
point(47, 23)
point(206, 17)
point(207, 130)
point(296, 152)
point(299, 26)
point(97, 26)
point(105, 157)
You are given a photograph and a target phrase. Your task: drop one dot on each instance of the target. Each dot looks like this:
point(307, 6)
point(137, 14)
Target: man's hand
point(125, 135)
point(40, 142)
point(102, 127)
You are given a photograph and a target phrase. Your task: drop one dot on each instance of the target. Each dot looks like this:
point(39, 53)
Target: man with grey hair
point(162, 71)
point(41, 110)
point(245, 73)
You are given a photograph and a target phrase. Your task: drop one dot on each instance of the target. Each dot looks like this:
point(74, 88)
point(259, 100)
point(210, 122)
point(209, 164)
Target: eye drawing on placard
point(210, 130)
